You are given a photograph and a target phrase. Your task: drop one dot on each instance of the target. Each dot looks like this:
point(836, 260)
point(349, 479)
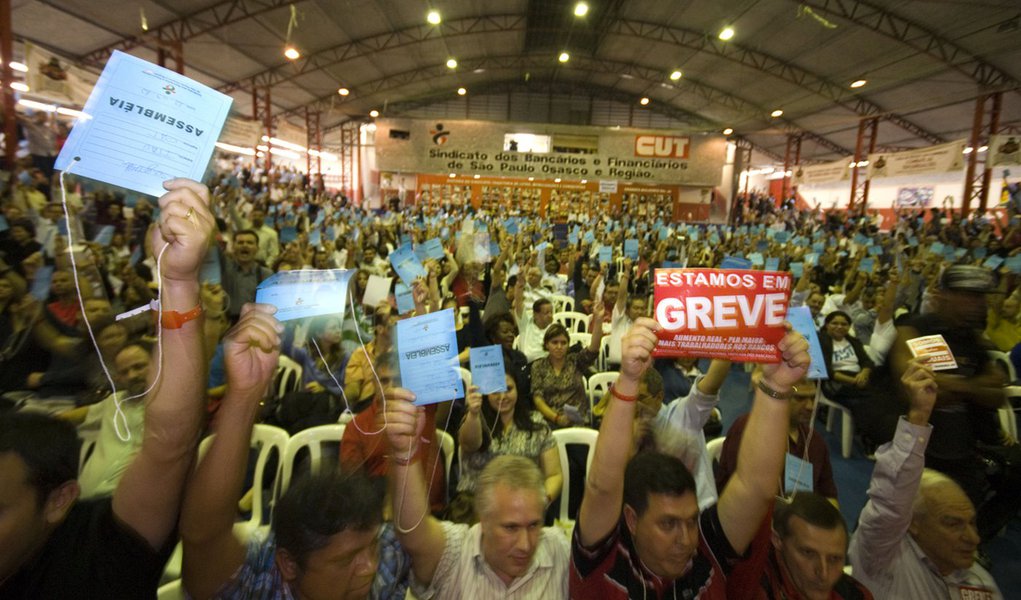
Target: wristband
point(405, 460)
point(773, 393)
point(619, 396)
point(175, 320)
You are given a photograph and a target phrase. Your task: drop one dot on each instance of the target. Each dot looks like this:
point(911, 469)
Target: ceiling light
point(644, 101)
point(479, 70)
point(557, 180)
point(343, 91)
point(967, 150)
point(727, 33)
point(580, 9)
point(373, 113)
point(776, 113)
point(531, 178)
point(858, 83)
point(584, 181)
point(983, 148)
point(564, 57)
point(453, 175)
point(461, 91)
point(676, 75)
point(626, 76)
point(451, 63)
point(476, 176)
point(291, 53)
point(728, 131)
point(17, 66)
point(19, 86)
point(433, 17)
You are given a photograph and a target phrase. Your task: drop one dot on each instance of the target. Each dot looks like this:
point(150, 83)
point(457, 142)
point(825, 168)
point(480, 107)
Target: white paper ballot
point(376, 290)
point(305, 293)
point(145, 124)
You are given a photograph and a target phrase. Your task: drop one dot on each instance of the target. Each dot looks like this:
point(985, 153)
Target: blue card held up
point(41, 283)
point(735, 262)
point(406, 264)
point(605, 255)
point(104, 236)
point(405, 299)
point(800, 318)
point(305, 293)
point(144, 124)
point(797, 269)
point(487, 369)
point(772, 264)
point(631, 249)
point(427, 353)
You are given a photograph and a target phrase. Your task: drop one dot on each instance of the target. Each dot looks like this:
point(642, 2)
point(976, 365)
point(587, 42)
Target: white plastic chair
point(847, 432)
point(599, 384)
point(572, 321)
point(287, 377)
point(580, 338)
point(603, 359)
point(466, 378)
point(447, 450)
point(714, 448)
point(1011, 392)
point(572, 435)
point(312, 438)
point(562, 303)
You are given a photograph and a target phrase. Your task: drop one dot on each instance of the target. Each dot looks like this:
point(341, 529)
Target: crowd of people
point(653, 515)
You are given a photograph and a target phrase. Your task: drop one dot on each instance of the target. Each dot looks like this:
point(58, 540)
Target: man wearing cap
point(970, 394)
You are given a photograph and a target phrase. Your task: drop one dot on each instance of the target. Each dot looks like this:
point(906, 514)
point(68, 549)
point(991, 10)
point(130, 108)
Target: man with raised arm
point(640, 533)
point(507, 554)
point(917, 535)
point(52, 546)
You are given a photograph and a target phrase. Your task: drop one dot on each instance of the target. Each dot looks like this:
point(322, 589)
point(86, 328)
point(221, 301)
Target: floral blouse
point(566, 387)
point(530, 444)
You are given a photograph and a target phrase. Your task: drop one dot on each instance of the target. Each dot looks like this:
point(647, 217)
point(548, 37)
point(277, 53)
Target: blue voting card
point(494, 249)
point(782, 237)
point(480, 246)
point(693, 234)
point(572, 238)
point(631, 249)
point(487, 369)
point(406, 264)
point(288, 234)
point(105, 235)
point(861, 239)
point(979, 252)
point(433, 248)
point(867, 265)
point(818, 247)
point(800, 318)
point(772, 264)
point(912, 241)
point(875, 250)
point(797, 475)
point(993, 262)
point(210, 271)
point(427, 353)
point(959, 253)
point(811, 259)
point(735, 262)
point(756, 258)
point(664, 233)
point(41, 283)
point(1013, 263)
point(143, 125)
point(406, 239)
point(405, 299)
point(315, 237)
point(605, 255)
point(936, 248)
point(305, 293)
point(797, 269)
point(136, 256)
point(589, 237)
point(762, 245)
point(511, 227)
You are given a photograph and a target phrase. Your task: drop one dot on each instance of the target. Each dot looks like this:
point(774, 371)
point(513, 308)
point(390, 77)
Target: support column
point(985, 124)
point(866, 144)
point(6, 77)
point(262, 112)
point(742, 163)
point(170, 49)
point(791, 157)
point(313, 141)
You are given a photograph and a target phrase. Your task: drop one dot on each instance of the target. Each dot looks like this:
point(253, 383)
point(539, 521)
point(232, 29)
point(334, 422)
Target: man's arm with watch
point(745, 500)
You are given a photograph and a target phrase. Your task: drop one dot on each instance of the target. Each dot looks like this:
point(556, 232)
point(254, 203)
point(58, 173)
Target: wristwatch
point(773, 393)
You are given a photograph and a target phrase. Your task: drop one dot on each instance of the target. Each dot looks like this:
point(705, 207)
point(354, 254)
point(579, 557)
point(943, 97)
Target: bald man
point(916, 536)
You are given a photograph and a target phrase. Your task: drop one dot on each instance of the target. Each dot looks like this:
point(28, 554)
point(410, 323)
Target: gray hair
point(516, 472)
point(928, 486)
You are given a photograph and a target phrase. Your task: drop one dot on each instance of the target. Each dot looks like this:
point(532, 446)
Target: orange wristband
point(175, 320)
point(619, 396)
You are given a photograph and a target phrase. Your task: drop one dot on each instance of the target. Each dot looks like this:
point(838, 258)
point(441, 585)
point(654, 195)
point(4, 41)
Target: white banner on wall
point(831, 172)
point(54, 78)
point(944, 158)
point(1004, 150)
point(241, 132)
point(477, 147)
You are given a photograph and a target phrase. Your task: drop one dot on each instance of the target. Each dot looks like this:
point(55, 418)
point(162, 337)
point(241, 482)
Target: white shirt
point(678, 428)
point(619, 324)
point(530, 337)
point(111, 456)
point(884, 556)
point(463, 572)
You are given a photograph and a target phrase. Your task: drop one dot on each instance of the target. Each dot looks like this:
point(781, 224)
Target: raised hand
point(637, 347)
point(793, 363)
point(474, 400)
point(186, 225)
point(920, 383)
point(251, 349)
point(405, 422)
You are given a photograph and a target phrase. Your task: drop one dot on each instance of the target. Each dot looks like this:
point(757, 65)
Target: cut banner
point(721, 313)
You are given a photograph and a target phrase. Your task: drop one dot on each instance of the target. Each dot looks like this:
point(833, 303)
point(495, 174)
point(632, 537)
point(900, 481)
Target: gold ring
point(191, 214)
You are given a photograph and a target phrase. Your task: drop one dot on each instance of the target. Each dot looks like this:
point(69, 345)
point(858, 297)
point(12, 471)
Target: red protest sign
point(721, 313)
